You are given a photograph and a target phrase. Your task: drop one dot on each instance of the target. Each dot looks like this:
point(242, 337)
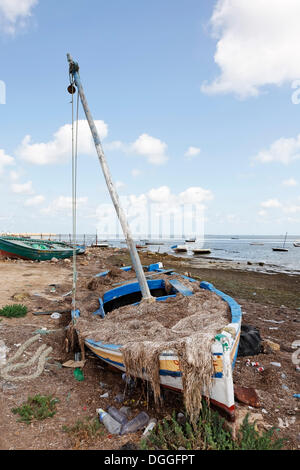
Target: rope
point(40, 355)
point(74, 194)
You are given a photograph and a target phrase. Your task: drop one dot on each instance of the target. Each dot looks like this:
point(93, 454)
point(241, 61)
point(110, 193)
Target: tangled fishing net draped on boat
point(184, 325)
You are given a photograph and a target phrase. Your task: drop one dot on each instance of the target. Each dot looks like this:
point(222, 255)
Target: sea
point(254, 249)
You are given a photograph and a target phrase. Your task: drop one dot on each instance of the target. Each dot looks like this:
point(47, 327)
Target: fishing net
point(185, 325)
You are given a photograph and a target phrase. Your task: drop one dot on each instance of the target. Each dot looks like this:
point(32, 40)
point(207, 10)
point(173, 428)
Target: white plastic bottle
point(109, 422)
point(151, 425)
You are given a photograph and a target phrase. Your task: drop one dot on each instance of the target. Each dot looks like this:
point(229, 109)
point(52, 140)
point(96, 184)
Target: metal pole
point(74, 69)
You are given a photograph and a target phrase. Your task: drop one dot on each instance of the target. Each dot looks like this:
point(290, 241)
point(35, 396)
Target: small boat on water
point(257, 243)
point(179, 248)
point(297, 243)
point(283, 246)
point(34, 249)
point(201, 251)
point(100, 245)
point(154, 243)
point(190, 240)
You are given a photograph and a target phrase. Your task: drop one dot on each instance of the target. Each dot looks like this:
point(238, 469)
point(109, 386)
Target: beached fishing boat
point(34, 249)
point(179, 248)
point(149, 290)
point(201, 251)
point(224, 346)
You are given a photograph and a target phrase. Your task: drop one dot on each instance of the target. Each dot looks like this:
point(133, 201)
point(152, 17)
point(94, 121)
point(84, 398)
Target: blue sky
point(191, 98)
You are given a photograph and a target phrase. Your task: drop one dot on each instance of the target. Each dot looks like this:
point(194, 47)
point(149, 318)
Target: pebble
point(119, 398)
point(181, 418)
point(8, 386)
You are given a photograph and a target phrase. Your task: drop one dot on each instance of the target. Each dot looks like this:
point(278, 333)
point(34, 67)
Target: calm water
point(225, 247)
point(240, 249)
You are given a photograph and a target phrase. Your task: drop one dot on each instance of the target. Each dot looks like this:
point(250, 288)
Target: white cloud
point(59, 149)
point(271, 203)
point(162, 194)
point(262, 213)
point(151, 148)
point(192, 152)
point(135, 172)
point(14, 175)
point(115, 145)
point(5, 160)
point(63, 204)
point(15, 13)
point(283, 150)
point(35, 200)
point(292, 209)
point(120, 185)
point(257, 45)
point(195, 195)
point(22, 188)
point(290, 182)
point(159, 202)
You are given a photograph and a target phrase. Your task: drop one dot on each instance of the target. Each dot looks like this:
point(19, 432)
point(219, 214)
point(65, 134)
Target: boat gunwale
point(235, 309)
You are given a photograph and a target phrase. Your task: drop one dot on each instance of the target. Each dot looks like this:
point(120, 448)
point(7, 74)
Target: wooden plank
point(180, 287)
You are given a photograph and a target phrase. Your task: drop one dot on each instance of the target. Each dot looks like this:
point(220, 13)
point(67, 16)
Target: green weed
point(38, 407)
point(14, 311)
point(210, 433)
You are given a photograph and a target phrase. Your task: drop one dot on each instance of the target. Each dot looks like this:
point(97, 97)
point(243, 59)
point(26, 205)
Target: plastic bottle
point(2, 353)
point(117, 415)
point(128, 380)
point(151, 425)
point(109, 422)
point(78, 374)
point(126, 410)
point(139, 422)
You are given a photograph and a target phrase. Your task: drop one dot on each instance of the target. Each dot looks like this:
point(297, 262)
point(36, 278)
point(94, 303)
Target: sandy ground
point(273, 309)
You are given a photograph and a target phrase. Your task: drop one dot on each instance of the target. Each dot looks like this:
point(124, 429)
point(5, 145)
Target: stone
point(253, 418)
point(267, 345)
point(20, 297)
point(246, 395)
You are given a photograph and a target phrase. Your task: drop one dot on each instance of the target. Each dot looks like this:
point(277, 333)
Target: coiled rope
point(40, 355)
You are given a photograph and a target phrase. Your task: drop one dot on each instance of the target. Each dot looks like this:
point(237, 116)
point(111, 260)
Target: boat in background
point(201, 251)
point(283, 246)
point(179, 248)
point(297, 243)
point(99, 245)
point(190, 240)
point(154, 243)
point(34, 249)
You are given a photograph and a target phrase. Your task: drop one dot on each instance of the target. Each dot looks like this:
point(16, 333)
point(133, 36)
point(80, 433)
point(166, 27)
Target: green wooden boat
point(34, 249)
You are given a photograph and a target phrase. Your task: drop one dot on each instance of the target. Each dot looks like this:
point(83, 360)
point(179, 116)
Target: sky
point(197, 104)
